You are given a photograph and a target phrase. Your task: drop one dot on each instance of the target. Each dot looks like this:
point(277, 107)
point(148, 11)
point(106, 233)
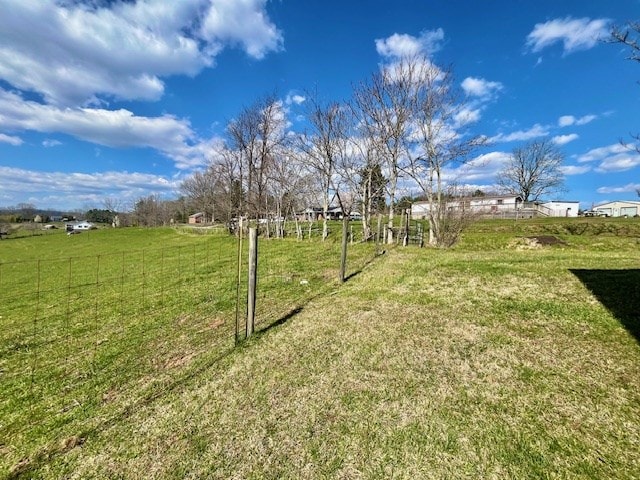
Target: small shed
point(561, 208)
point(196, 218)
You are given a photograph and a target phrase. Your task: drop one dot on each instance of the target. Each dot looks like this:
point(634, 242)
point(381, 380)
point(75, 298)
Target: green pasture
point(95, 323)
point(499, 358)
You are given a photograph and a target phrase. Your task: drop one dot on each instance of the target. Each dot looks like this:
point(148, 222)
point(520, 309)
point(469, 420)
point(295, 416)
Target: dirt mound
point(528, 243)
point(544, 240)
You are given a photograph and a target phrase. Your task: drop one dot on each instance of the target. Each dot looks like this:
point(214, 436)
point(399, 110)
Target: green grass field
point(496, 359)
point(97, 323)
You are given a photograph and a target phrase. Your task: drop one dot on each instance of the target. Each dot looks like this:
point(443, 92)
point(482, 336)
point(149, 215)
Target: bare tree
point(27, 211)
point(384, 108)
point(113, 204)
point(152, 211)
point(533, 171)
point(217, 191)
point(231, 197)
point(200, 188)
point(286, 185)
point(256, 135)
point(439, 143)
point(324, 146)
point(370, 183)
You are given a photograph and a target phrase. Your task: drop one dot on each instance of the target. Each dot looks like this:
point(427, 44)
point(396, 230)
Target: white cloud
point(575, 169)
point(568, 120)
point(112, 128)
point(482, 167)
point(564, 139)
point(575, 34)
point(521, 135)
point(619, 163)
point(612, 158)
point(601, 153)
point(73, 54)
point(479, 87)
point(72, 190)
point(404, 45)
point(417, 69)
point(466, 116)
point(294, 98)
point(51, 143)
point(586, 119)
point(628, 188)
point(242, 22)
point(10, 139)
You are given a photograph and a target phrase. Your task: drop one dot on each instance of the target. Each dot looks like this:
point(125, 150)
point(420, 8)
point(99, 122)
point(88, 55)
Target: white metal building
point(561, 208)
point(618, 209)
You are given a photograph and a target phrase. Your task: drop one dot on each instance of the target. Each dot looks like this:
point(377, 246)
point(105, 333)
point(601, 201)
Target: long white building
point(618, 209)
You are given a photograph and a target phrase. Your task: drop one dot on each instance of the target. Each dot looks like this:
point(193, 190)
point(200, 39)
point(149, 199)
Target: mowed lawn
point(496, 359)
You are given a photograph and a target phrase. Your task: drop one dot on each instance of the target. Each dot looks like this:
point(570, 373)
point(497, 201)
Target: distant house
point(317, 213)
point(197, 218)
point(488, 205)
point(310, 214)
point(79, 226)
point(618, 209)
point(503, 206)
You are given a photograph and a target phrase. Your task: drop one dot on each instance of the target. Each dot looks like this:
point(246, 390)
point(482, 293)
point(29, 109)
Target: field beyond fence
point(95, 325)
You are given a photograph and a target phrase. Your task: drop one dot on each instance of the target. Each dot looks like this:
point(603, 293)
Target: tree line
point(405, 125)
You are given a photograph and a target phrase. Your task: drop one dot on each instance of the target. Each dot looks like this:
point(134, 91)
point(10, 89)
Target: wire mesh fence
point(84, 331)
point(86, 338)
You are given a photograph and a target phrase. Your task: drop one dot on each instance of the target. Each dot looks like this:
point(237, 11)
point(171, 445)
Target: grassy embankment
point(494, 359)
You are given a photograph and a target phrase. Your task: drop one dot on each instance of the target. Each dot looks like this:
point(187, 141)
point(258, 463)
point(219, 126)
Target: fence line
point(83, 336)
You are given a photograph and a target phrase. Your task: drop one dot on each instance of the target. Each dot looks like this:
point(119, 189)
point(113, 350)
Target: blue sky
point(120, 99)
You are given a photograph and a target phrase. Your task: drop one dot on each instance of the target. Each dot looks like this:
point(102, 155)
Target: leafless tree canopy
point(405, 125)
point(383, 106)
point(439, 142)
point(628, 36)
point(323, 148)
point(533, 171)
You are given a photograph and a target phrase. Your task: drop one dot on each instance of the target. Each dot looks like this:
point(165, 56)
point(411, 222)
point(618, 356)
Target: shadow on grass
point(365, 265)
point(618, 291)
point(280, 321)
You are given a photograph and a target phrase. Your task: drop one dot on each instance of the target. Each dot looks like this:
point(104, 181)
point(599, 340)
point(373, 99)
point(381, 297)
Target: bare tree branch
point(533, 171)
point(628, 36)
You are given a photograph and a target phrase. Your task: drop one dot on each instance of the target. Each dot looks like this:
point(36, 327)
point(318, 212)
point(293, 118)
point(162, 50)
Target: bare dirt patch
point(527, 243)
point(547, 240)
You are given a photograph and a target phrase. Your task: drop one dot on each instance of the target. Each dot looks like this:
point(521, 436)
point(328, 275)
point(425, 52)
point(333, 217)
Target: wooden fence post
point(343, 253)
point(253, 270)
point(407, 226)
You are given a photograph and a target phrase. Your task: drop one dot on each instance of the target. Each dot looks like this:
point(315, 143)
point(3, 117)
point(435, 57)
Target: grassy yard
point(496, 359)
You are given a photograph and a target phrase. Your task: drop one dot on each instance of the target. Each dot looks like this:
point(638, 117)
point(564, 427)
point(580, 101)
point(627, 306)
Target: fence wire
point(85, 338)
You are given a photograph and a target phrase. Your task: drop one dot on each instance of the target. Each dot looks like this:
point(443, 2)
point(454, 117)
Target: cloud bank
point(75, 53)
